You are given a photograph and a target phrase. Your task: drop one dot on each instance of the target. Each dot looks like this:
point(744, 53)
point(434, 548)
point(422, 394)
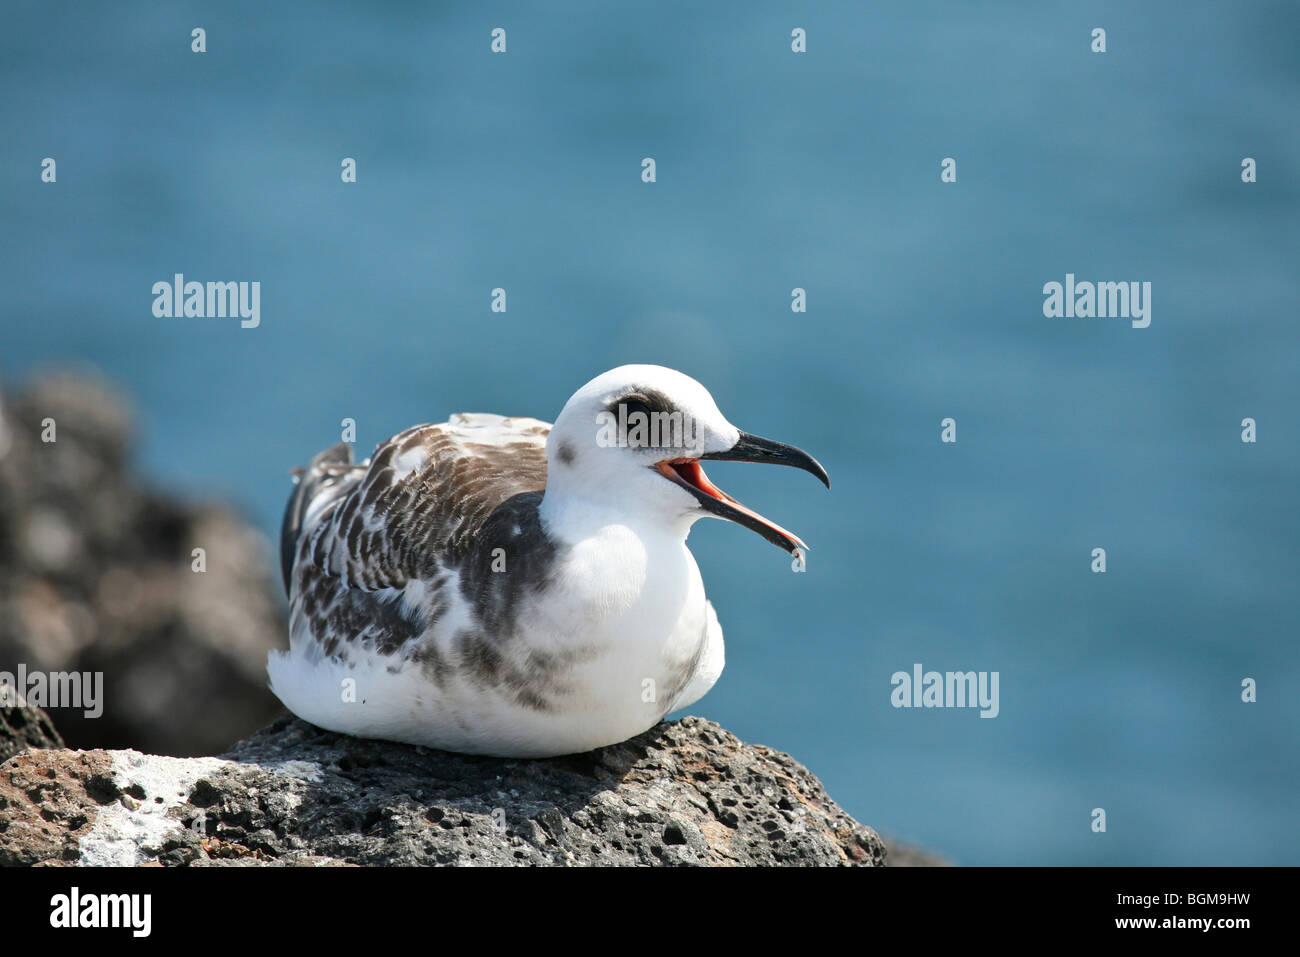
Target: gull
point(497, 585)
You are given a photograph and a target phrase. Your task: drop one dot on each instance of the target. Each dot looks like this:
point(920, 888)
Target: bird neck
point(571, 518)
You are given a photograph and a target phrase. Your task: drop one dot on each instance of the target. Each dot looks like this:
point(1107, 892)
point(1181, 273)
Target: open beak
point(687, 473)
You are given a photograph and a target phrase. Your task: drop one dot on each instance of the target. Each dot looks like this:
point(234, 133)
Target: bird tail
point(324, 471)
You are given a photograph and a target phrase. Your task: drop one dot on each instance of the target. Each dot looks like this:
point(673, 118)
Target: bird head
point(635, 438)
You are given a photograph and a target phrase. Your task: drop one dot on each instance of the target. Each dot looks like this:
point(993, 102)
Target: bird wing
point(431, 499)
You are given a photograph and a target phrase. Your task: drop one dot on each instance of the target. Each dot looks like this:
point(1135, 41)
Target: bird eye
point(637, 416)
point(633, 404)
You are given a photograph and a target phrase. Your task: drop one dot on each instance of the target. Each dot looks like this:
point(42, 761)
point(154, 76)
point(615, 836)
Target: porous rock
point(683, 793)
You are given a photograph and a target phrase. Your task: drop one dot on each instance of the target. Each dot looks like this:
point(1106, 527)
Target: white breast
point(623, 622)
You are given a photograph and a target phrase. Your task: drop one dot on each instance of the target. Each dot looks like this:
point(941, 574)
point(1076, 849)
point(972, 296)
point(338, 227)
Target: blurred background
point(775, 171)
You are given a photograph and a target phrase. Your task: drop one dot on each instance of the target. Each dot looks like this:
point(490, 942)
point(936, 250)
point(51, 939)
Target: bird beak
point(687, 473)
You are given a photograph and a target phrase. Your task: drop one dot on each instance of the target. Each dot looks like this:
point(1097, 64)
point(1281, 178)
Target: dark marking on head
point(648, 401)
point(565, 453)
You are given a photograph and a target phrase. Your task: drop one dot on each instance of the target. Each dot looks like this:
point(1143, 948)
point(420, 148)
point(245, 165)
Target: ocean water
point(775, 170)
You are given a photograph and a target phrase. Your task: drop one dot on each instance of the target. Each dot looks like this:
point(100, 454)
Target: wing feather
point(431, 500)
point(422, 497)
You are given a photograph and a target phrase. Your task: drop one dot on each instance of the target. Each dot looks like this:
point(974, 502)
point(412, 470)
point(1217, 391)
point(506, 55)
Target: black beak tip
point(751, 448)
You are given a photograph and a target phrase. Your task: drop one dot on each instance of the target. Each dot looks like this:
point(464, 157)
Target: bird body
point(499, 586)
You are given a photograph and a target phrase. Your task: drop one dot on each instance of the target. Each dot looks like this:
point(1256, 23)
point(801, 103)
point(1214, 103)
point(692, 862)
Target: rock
point(96, 576)
point(683, 793)
point(24, 726)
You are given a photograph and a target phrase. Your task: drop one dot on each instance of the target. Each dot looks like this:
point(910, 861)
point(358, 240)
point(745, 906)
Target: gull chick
point(502, 586)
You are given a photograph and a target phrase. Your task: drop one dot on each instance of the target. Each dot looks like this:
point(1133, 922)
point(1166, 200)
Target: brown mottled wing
point(423, 502)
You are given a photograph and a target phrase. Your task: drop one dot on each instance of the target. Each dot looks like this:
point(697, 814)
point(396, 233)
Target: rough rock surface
point(23, 727)
point(96, 576)
point(684, 793)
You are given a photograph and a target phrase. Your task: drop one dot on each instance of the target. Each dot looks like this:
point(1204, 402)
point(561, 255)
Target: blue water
point(775, 170)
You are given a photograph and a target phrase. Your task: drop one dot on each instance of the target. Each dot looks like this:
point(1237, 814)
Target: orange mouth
point(688, 473)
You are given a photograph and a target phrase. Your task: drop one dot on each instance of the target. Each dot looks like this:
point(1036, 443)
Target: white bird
point(499, 586)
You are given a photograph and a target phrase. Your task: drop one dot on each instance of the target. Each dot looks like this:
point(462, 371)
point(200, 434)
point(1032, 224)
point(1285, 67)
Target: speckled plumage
point(502, 586)
point(432, 499)
point(435, 508)
point(389, 566)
